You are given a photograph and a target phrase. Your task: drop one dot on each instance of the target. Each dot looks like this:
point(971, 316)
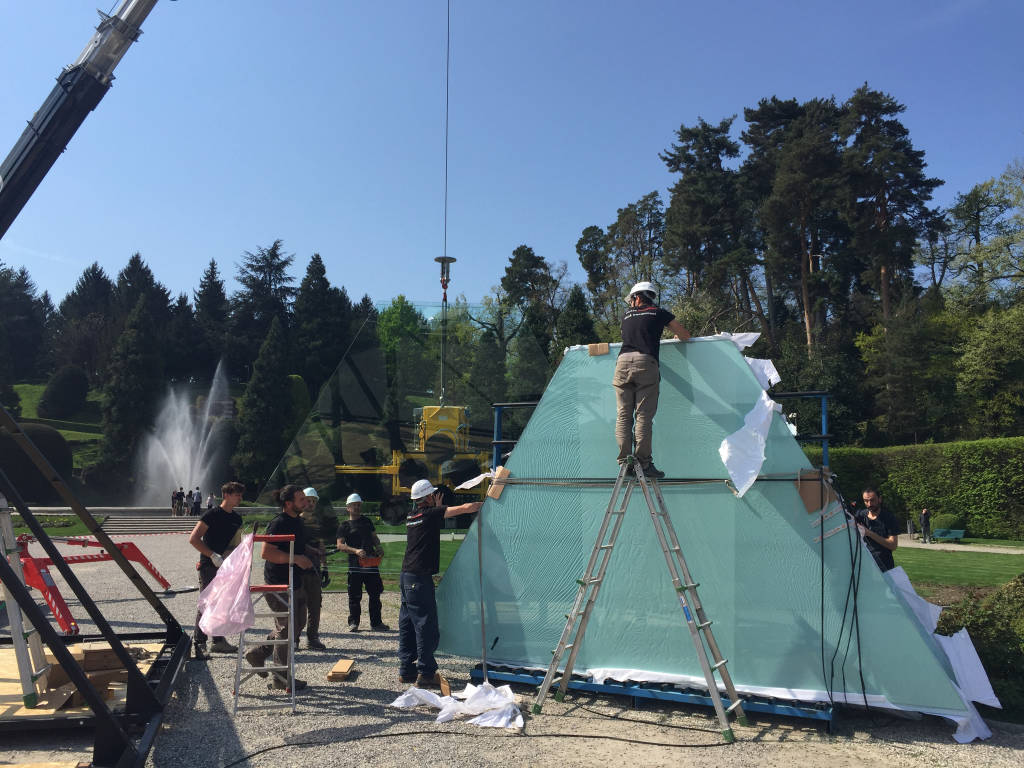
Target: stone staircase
point(123, 525)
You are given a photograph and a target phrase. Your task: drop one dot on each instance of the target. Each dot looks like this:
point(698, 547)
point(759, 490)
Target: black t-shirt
point(221, 527)
point(357, 534)
point(423, 541)
point(642, 327)
point(885, 526)
point(284, 525)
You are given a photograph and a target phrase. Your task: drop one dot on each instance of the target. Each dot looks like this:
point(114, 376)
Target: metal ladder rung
point(705, 624)
point(718, 664)
point(735, 705)
point(271, 615)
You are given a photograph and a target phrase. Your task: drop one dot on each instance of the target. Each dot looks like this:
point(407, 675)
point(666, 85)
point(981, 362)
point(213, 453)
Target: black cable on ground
point(524, 735)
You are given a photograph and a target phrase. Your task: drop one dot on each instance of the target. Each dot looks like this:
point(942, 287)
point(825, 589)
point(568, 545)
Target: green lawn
point(965, 569)
point(83, 431)
point(62, 525)
point(394, 551)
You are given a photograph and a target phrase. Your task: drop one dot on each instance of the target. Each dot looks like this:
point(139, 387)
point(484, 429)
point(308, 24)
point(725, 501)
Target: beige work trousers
point(636, 381)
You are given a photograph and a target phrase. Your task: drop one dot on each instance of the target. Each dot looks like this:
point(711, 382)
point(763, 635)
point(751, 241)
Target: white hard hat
point(353, 498)
point(311, 492)
point(422, 488)
point(645, 287)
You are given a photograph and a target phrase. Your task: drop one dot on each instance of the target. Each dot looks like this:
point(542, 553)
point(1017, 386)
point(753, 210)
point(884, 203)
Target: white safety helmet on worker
point(353, 498)
point(422, 488)
point(310, 493)
point(645, 287)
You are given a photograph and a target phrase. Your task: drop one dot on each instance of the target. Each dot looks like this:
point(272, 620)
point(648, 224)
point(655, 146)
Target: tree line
point(809, 222)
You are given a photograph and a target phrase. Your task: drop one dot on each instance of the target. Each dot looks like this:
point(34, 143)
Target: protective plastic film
point(780, 601)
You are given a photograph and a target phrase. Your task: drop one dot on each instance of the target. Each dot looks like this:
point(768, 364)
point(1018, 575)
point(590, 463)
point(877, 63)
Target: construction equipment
point(286, 593)
point(443, 453)
point(79, 88)
point(631, 475)
point(36, 573)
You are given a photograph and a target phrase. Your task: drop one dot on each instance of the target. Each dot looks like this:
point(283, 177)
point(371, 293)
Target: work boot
point(407, 679)
point(651, 472)
point(353, 627)
point(220, 645)
point(281, 684)
point(255, 658)
point(429, 681)
point(200, 652)
point(314, 644)
point(380, 626)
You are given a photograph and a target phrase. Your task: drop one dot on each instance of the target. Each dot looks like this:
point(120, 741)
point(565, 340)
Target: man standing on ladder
point(637, 374)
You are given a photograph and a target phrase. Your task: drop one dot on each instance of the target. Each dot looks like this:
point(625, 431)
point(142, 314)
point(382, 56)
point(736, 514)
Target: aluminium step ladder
point(28, 648)
point(286, 593)
point(630, 476)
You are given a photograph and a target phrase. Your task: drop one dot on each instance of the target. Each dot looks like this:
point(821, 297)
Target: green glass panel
point(759, 568)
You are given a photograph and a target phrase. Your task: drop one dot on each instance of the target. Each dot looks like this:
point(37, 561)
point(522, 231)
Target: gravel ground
point(350, 723)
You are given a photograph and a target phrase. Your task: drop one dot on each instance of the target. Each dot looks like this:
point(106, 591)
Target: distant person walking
point(926, 526)
point(210, 501)
point(197, 502)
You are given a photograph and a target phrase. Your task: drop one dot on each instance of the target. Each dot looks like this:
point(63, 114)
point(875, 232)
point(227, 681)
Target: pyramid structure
point(780, 595)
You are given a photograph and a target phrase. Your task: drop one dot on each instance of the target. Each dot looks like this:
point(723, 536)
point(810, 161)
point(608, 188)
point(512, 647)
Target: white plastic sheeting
point(491, 707)
point(742, 452)
point(225, 603)
point(971, 680)
point(764, 370)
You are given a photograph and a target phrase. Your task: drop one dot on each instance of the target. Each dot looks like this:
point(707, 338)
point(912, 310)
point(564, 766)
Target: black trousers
point(357, 579)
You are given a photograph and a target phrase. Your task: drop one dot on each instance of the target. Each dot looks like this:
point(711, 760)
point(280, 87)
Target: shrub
point(65, 393)
point(33, 487)
point(955, 522)
point(981, 481)
point(996, 626)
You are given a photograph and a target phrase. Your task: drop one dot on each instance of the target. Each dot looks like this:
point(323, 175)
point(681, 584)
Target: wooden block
point(498, 483)
point(341, 670)
point(598, 349)
point(99, 656)
point(446, 687)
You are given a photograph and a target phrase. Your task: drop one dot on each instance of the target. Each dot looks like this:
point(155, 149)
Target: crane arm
point(80, 87)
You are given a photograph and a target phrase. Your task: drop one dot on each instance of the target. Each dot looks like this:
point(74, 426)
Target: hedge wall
point(981, 481)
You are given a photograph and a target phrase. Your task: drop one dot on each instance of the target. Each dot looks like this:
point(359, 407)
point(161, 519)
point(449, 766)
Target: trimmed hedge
point(65, 393)
point(980, 481)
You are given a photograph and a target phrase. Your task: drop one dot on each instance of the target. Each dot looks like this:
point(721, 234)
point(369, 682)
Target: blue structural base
point(661, 692)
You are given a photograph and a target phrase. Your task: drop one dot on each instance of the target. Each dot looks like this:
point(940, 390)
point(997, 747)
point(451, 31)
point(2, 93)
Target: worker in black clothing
point(879, 529)
point(217, 532)
point(358, 538)
point(637, 376)
point(418, 633)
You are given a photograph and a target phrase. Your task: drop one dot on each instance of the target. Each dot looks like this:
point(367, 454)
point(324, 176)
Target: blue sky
point(236, 122)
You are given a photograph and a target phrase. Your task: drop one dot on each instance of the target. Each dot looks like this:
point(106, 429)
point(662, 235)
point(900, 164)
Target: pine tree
point(322, 316)
point(575, 325)
point(211, 319)
point(134, 384)
point(265, 412)
point(266, 293)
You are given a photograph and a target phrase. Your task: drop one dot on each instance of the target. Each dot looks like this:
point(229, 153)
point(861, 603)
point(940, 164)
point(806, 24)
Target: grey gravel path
point(350, 723)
